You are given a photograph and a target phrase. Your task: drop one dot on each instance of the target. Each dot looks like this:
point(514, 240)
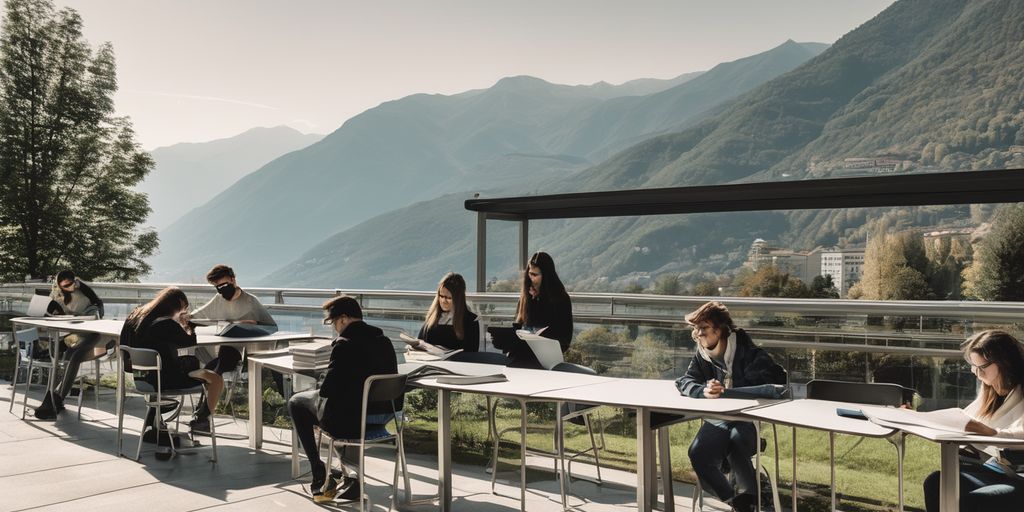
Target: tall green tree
point(895, 268)
point(998, 269)
point(67, 163)
point(770, 281)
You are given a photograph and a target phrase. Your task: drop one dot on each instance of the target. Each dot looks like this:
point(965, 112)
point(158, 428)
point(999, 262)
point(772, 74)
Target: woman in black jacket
point(359, 352)
point(543, 304)
point(450, 324)
point(70, 296)
point(726, 358)
point(162, 325)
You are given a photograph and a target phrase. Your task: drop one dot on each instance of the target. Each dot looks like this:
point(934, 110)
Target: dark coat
point(444, 335)
point(751, 366)
point(358, 353)
point(554, 313)
point(166, 336)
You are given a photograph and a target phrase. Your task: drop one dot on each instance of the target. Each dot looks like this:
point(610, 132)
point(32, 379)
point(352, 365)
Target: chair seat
point(144, 387)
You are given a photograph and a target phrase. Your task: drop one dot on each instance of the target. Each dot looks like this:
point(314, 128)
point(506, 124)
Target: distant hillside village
point(844, 264)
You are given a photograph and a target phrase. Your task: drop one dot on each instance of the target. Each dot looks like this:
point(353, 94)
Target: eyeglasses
point(979, 368)
point(702, 328)
point(444, 297)
point(328, 321)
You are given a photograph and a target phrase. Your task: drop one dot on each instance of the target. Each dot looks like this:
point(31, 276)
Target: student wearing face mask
point(726, 358)
point(231, 304)
point(70, 296)
point(997, 360)
point(450, 324)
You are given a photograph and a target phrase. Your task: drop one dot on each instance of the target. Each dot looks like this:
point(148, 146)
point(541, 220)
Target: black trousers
point(981, 490)
point(302, 407)
point(75, 356)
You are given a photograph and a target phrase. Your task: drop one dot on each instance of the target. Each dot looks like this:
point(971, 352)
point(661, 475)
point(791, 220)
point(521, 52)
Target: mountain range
point(188, 175)
point(934, 85)
point(522, 130)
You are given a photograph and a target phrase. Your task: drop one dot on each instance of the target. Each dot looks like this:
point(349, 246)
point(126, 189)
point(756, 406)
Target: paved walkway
point(72, 465)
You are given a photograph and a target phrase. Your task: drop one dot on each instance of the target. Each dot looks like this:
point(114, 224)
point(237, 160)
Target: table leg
point(255, 404)
point(665, 459)
point(444, 449)
point(54, 366)
point(522, 456)
point(644, 456)
point(560, 448)
point(949, 478)
point(288, 389)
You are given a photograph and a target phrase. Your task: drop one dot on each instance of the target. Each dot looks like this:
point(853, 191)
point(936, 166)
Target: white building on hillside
point(844, 265)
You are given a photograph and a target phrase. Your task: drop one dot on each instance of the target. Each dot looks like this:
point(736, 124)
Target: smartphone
point(851, 413)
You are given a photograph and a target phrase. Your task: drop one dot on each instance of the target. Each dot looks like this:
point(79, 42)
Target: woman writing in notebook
point(450, 324)
point(162, 324)
point(543, 304)
point(997, 360)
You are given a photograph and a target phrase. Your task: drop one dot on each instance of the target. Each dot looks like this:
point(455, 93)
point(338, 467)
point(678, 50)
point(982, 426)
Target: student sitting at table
point(997, 360)
point(450, 324)
point(162, 324)
point(726, 358)
point(70, 296)
point(543, 304)
point(231, 304)
point(358, 352)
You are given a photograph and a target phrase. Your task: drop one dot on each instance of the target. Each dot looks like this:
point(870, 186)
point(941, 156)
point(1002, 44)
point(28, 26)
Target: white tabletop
point(938, 435)
point(819, 415)
point(522, 383)
point(653, 394)
point(209, 339)
point(104, 327)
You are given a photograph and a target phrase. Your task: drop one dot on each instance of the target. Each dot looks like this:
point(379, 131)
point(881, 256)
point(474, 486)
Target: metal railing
point(643, 335)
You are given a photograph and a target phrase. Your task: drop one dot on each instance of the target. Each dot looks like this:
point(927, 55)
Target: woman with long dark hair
point(449, 323)
point(997, 360)
point(162, 324)
point(543, 304)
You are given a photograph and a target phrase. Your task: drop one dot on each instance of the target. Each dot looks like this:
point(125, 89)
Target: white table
point(647, 396)
point(523, 385)
point(949, 466)
point(821, 415)
point(110, 329)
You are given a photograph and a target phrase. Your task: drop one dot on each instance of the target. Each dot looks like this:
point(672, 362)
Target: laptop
point(38, 305)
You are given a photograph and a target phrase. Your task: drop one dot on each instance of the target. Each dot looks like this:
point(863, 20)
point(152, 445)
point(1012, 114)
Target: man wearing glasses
point(231, 304)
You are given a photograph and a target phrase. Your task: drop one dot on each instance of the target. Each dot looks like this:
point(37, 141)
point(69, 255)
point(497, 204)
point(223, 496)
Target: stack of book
point(310, 356)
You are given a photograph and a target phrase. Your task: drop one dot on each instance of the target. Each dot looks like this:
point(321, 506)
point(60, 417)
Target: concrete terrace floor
point(72, 465)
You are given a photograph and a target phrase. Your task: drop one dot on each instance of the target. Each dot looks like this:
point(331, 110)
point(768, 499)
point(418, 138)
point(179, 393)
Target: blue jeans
point(981, 489)
point(732, 440)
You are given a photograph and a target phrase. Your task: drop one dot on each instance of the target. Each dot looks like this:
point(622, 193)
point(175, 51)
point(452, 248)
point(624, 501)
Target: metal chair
point(377, 388)
point(869, 393)
point(27, 343)
point(576, 413)
point(97, 361)
point(143, 359)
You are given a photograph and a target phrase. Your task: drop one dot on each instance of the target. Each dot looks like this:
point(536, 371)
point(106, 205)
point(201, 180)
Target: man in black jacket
point(359, 352)
point(726, 358)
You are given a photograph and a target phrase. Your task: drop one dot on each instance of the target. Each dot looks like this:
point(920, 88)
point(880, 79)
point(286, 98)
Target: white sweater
point(1008, 420)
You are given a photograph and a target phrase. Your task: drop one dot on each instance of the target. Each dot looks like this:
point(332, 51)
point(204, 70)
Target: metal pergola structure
point(944, 188)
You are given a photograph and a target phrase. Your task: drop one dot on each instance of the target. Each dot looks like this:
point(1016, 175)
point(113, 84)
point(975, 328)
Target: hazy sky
point(197, 70)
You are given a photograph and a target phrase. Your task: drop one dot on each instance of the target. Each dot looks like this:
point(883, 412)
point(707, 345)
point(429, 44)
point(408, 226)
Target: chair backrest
point(481, 358)
point(874, 393)
point(139, 359)
point(25, 340)
point(573, 368)
point(384, 388)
